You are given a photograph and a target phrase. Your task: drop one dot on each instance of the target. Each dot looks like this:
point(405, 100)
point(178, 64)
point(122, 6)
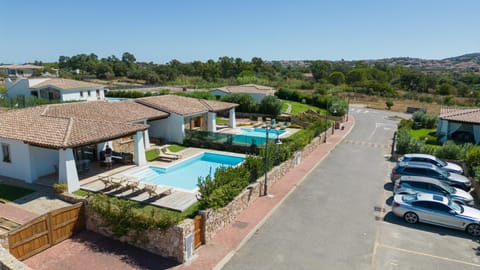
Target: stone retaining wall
point(171, 243)
point(9, 262)
point(216, 219)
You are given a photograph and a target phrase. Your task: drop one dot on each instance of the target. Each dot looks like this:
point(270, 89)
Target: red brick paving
point(231, 238)
point(15, 213)
point(91, 251)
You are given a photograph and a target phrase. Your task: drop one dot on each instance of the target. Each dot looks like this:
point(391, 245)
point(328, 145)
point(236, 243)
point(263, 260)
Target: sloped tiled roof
point(30, 126)
point(65, 84)
point(121, 111)
point(465, 115)
point(248, 89)
point(184, 105)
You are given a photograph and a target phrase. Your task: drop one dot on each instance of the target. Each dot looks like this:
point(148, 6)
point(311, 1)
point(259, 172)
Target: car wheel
point(411, 217)
point(473, 229)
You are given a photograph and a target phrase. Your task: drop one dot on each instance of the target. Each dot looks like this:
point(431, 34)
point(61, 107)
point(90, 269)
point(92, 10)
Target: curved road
point(338, 217)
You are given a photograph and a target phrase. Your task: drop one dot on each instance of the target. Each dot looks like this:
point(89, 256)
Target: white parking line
point(428, 255)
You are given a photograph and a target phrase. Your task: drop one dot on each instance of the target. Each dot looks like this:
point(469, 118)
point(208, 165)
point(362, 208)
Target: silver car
point(417, 184)
point(449, 166)
point(436, 210)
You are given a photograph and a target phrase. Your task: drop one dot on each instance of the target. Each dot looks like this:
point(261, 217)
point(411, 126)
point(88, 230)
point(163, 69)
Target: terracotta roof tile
point(248, 89)
point(66, 84)
point(121, 111)
point(184, 105)
point(466, 115)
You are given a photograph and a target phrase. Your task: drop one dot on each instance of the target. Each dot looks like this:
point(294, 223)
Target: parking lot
point(340, 217)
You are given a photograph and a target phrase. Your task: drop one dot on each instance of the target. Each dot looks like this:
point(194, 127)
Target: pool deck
point(177, 200)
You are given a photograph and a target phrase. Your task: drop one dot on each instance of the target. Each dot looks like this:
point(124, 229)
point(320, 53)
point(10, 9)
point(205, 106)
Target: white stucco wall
point(68, 95)
point(20, 87)
point(19, 167)
point(171, 129)
point(43, 161)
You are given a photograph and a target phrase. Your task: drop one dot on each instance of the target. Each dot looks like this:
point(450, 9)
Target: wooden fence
point(46, 231)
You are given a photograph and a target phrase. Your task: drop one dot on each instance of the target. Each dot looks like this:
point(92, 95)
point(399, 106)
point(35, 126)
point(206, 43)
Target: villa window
point(89, 93)
point(6, 153)
point(81, 93)
point(98, 93)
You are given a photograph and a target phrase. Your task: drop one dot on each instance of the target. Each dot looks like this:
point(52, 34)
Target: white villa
point(50, 139)
point(54, 89)
point(258, 92)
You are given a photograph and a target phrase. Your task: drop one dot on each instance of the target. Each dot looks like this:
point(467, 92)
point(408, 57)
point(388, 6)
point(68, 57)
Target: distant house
point(258, 92)
point(55, 89)
point(459, 123)
point(14, 71)
point(60, 138)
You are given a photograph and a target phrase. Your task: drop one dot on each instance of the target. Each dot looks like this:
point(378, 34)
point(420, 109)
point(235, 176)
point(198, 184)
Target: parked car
point(437, 210)
point(430, 170)
point(417, 184)
point(449, 166)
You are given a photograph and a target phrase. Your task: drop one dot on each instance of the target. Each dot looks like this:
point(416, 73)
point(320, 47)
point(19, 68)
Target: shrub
point(403, 141)
point(473, 157)
point(389, 103)
point(60, 188)
point(449, 150)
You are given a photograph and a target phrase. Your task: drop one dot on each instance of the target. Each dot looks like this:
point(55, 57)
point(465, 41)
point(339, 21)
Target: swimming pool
point(185, 175)
point(256, 135)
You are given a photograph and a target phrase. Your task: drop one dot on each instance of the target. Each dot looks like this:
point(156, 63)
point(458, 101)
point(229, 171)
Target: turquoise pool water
point(256, 135)
point(185, 175)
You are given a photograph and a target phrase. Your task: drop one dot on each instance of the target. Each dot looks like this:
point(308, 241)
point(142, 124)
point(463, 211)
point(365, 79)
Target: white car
point(449, 166)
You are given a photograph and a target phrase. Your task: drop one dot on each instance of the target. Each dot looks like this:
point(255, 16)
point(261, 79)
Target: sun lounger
point(162, 155)
point(153, 190)
point(117, 181)
point(167, 152)
point(132, 183)
point(105, 179)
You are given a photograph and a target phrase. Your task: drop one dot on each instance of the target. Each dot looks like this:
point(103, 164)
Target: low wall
point(8, 262)
point(216, 219)
point(175, 243)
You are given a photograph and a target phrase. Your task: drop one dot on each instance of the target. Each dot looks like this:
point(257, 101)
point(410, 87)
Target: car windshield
point(443, 172)
point(441, 162)
point(409, 197)
point(455, 207)
point(448, 188)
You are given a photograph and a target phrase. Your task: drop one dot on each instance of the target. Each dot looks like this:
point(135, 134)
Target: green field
point(298, 107)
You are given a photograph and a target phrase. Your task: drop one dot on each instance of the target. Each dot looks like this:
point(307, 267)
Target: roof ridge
point(204, 102)
point(68, 132)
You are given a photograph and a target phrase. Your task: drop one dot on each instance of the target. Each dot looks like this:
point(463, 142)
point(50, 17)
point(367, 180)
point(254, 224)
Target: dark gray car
point(430, 170)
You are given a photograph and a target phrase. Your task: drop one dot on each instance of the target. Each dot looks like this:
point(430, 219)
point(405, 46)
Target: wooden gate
point(197, 233)
point(46, 231)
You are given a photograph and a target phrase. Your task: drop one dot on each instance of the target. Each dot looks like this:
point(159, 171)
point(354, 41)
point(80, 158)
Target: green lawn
point(298, 107)
point(81, 193)
point(175, 148)
point(221, 121)
point(11, 193)
point(425, 133)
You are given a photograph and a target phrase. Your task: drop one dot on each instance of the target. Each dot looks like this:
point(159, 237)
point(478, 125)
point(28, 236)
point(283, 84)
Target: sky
point(189, 30)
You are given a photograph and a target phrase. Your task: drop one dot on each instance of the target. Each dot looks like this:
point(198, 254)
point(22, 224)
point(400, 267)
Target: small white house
point(257, 92)
point(15, 71)
point(459, 123)
point(55, 89)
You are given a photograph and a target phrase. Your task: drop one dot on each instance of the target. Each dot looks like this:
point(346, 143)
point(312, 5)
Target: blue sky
point(189, 30)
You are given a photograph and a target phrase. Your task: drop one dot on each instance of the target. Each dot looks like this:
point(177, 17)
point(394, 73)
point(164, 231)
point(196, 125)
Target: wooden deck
point(176, 200)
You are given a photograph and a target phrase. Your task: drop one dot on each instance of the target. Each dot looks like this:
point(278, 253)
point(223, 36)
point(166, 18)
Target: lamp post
point(325, 133)
point(268, 127)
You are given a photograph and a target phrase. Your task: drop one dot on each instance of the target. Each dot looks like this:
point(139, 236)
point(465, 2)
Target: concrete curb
point(230, 254)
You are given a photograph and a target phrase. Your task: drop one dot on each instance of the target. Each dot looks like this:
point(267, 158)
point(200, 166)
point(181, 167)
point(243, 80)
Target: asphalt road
point(339, 217)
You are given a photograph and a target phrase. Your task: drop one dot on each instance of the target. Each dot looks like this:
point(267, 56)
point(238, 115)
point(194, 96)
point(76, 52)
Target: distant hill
point(463, 63)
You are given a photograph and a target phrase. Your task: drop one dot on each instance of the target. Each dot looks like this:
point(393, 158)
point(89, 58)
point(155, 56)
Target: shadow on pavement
point(389, 201)
point(137, 258)
point(390, 217)
point(388, 186)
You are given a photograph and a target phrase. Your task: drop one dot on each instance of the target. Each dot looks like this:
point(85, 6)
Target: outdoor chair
point(105, 179)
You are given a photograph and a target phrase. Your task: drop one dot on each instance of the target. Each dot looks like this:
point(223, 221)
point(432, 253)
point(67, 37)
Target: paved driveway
point(339, 217)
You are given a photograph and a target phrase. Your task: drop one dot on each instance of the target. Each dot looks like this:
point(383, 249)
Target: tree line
point(358, 76)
